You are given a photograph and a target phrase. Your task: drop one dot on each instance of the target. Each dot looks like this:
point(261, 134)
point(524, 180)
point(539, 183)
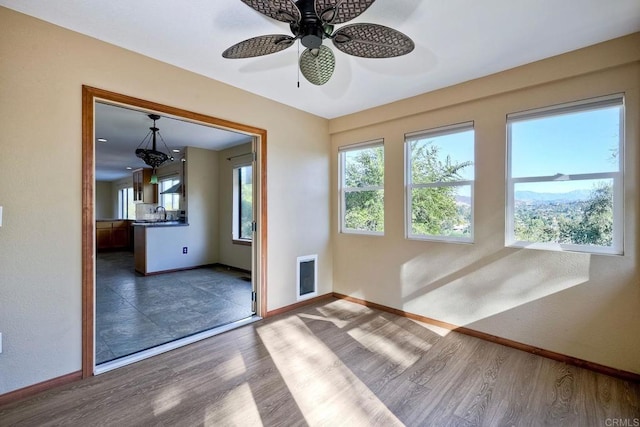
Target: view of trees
point(435, 210)
point(364, 210)
point(581, 222)
point(441, 211)
point(246, 202)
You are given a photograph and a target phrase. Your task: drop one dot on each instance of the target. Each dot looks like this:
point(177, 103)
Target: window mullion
point(442, 184)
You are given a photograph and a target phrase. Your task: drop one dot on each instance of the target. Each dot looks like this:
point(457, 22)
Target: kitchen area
point(168, 265)
point(148, 233)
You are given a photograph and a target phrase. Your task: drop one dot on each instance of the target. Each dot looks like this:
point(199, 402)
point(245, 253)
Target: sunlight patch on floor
point(232, 368)
point(324, 389)
point(443, 332)
point(376, 340)
point(339, 323)
point(168, 399)
point(236, 408)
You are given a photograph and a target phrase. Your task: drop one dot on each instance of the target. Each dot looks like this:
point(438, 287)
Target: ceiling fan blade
point(372, 41)
point(317, 65)
point(258, 46)
point(339, 11)
point(282, 10)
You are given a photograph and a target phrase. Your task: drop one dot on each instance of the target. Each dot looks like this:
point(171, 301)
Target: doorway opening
point(197, 273)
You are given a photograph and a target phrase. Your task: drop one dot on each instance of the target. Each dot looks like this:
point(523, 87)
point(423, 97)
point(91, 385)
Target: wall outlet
point(184, 249)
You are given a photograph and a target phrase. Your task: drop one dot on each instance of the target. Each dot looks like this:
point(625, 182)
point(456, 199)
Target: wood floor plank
point(336, 363)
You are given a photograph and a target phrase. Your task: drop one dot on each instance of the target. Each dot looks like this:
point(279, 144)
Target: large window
point(243, 203)
point(126, 206)
point(439, 183)
point(362, 188)
point(564, 188)
point(170, 201)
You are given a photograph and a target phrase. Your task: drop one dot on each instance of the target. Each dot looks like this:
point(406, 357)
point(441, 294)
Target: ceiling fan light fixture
point(312, 21)
point(317, 65)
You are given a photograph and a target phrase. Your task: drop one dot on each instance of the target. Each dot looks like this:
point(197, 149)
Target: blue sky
point(576, 143)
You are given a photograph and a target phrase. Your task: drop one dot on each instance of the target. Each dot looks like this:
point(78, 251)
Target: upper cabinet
point(143, 190)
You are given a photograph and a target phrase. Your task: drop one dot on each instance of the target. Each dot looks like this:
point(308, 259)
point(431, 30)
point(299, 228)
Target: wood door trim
point(91, 94)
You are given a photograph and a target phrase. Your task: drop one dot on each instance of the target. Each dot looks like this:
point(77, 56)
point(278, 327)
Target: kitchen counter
point(161, 246)
point(160, 224)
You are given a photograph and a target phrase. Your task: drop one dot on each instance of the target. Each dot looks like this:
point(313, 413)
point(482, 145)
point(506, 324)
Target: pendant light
point(151, 156)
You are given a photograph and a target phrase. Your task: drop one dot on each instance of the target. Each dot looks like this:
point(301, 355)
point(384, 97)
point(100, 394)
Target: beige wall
point(231, 254)
point(41, 76)
point(202, 199)
point(105, 207)
point(581, 305)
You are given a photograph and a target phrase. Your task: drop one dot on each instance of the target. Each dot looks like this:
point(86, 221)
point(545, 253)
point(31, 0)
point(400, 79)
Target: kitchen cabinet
point(143, 190)
point(112, 234)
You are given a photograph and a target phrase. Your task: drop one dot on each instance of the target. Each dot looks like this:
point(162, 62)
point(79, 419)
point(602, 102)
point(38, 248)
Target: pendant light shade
point(151, 156)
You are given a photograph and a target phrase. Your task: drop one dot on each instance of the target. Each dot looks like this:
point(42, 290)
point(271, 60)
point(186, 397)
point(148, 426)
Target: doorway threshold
point(145, 354)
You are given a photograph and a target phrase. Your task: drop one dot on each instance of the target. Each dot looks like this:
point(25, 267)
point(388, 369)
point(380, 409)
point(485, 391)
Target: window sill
point(241, 242)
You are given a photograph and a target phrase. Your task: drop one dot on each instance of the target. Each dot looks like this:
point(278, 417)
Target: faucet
point(164, 212)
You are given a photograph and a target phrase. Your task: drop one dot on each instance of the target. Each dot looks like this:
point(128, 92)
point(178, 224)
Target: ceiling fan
point(312, 21)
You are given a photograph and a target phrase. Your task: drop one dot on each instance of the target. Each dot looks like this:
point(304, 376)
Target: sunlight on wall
point(325, 390)
point(475, 287)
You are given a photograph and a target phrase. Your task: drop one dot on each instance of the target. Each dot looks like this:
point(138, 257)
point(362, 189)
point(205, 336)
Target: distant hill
point(571, 196)
point(464, 200)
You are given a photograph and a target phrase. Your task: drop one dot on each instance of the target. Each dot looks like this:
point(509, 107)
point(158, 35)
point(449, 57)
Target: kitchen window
point(439, 183)
point(126, 205)
point(362, 188)
point(170, 201)
point(243, 203)
point(565, 177)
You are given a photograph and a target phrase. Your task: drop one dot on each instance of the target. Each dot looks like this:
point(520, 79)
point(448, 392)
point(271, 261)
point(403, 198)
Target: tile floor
point(136, 312)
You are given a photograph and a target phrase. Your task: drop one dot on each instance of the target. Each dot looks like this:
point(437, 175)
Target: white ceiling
point(456, 41)
point(126, 129)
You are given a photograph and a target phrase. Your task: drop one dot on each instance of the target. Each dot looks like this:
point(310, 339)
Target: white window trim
point(409, 185)
point(344, 190)
point(617, 247)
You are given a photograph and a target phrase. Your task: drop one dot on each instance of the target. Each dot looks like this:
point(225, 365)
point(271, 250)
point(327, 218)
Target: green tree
point(246, 202)
point(364, 209)
point(596, 225)
point(434, 209)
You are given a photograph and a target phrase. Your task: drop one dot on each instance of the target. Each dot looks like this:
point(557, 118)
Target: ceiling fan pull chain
point(298, 67)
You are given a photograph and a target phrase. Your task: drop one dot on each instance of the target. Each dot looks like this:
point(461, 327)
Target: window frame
point(236, 222)
point(175, 179)
point(590, 104)
point(123, 205)
point(410, 186)
point(343, 189)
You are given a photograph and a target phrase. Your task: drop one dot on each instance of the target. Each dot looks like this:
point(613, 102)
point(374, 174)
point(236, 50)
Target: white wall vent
point(307, 276)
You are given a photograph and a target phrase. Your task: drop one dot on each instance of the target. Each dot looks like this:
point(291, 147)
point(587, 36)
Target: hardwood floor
point(338, 363)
